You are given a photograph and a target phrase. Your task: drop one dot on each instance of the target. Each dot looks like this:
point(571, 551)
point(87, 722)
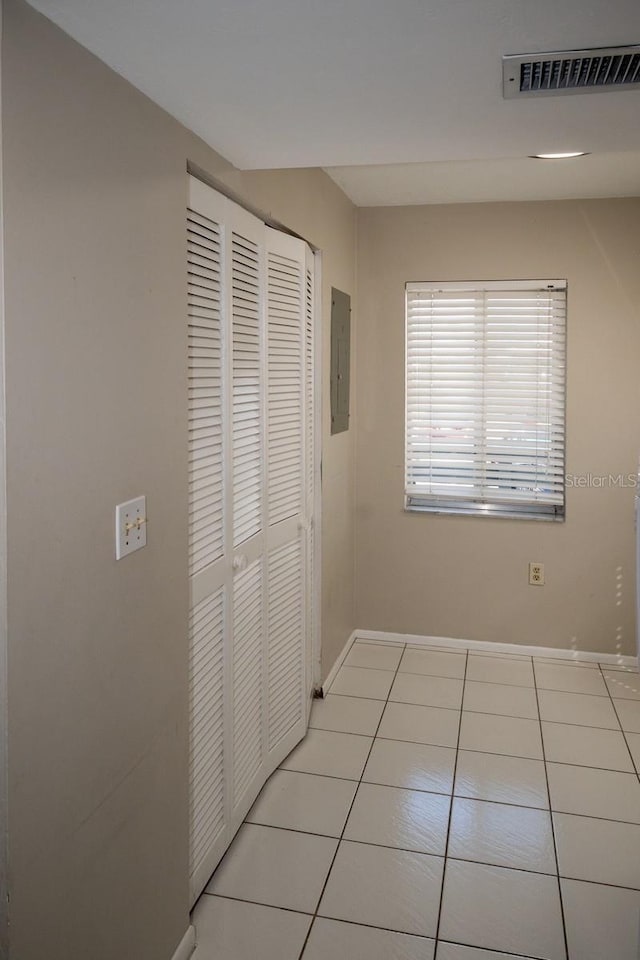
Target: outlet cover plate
point(536, 574)
point(134, 537)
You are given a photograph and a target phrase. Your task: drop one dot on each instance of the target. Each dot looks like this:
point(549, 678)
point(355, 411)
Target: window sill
point(496, 511)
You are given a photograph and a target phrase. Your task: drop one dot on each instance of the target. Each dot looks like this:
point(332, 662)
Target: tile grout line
point(453, 785)
point(357, 666)
point(518, 756)
point(564, 723)
point(484, 753)
point(351, 805)
point(551, 820)
point(390, 846)
point(445, 857)
point(362, 923)
point(503, 953)
point(437, 856)
point(622, 730)
point(370, 926)
point(478, 800)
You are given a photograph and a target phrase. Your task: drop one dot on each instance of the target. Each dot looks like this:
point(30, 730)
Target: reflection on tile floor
point(444, 805)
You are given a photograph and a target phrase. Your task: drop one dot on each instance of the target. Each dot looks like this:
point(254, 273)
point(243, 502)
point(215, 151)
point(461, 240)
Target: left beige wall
point(94, 198)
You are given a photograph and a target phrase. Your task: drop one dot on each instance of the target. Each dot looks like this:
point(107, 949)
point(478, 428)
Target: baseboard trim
point(187, 945)
point(551, 653)
point(338, 663)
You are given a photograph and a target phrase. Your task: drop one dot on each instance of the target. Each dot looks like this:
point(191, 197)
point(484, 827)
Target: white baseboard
point(338, 663)
point(187, 945)
point(551, 653)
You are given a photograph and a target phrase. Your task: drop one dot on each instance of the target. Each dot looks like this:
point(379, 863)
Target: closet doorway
point(253, 494)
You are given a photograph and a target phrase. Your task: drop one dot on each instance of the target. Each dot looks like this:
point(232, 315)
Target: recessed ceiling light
point(559, 156)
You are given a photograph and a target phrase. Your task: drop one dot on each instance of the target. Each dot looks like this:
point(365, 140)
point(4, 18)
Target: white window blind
point(485, 398)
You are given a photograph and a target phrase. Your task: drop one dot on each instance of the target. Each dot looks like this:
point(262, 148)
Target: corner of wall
point(354, 407)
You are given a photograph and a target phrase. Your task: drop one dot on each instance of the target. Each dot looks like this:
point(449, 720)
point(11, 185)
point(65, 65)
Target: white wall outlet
point(131, 526)
point(536, 574)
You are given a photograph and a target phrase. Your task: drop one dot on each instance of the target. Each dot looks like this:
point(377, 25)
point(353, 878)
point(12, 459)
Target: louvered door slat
point(285, 386)
point(286, 639)
point(206, 770)
point(204, 265)
point(309, 380)
point(202, 725)
point(247, 677)
point(247, 385)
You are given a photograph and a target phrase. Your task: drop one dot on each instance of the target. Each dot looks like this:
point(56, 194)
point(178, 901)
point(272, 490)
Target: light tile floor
point(444, 806)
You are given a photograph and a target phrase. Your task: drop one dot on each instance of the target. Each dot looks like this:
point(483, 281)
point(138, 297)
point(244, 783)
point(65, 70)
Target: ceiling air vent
point(571, 71)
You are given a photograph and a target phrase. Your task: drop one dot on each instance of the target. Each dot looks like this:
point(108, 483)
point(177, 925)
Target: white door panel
point(251, 505)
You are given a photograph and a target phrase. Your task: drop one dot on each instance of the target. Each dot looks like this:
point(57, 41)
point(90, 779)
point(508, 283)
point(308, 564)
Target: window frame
point(486, 506)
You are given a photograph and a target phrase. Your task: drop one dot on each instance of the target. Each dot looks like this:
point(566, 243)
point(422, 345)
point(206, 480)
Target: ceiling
point(472, 181)
point(401, 100)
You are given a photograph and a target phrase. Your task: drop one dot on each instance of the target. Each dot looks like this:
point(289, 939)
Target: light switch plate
point(131, 526)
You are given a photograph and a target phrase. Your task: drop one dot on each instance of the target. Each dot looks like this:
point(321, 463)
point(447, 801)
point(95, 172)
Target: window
point(485, 398)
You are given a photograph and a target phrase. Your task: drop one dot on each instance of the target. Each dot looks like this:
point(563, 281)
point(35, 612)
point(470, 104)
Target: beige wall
point(95, 191)
point(466, 577)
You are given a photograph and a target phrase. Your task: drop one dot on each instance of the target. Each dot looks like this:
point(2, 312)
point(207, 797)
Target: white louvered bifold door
point(209, 553)
point(250, 511)
point(286, 495)
point(248, 654)
point(312, 462)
